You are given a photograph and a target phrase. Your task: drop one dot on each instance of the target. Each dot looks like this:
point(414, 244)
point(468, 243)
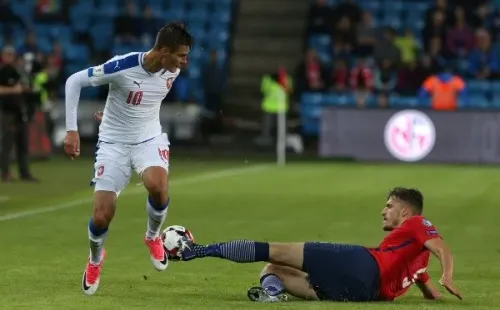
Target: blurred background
point(322, 54)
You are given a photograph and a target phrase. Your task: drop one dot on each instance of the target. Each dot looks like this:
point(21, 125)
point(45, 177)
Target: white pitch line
point(134, 191)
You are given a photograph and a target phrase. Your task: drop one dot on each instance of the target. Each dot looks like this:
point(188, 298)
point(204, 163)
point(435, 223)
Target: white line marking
point(134, 191)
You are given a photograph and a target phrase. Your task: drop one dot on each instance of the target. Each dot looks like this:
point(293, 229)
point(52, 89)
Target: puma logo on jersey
point(138, 84)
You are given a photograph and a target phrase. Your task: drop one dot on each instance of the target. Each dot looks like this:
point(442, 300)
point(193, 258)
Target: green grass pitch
point(43, 231)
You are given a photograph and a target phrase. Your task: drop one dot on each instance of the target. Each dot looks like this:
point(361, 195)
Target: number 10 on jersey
point(134, 97)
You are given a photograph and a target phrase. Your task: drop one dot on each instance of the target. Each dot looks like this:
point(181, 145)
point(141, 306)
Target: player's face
point(393, 213)
point(173, 60)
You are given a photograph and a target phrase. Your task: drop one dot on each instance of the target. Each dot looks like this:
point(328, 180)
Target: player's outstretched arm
point(437, 247)
point(73, 88)
point(93, 76)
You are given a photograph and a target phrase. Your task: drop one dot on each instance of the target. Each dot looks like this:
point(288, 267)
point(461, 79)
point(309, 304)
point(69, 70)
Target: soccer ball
point(172, 237)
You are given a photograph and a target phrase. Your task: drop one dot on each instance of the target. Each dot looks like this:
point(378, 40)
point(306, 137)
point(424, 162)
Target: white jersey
point(132, 111)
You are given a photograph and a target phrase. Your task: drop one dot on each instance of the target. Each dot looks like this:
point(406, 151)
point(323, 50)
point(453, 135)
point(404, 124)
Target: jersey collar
point(141, 61)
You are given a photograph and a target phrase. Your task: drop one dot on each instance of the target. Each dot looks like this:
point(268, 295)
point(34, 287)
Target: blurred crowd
point(134, 28)
point(460, 37)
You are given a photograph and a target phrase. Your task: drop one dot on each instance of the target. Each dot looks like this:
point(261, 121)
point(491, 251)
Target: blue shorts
point(340, 272)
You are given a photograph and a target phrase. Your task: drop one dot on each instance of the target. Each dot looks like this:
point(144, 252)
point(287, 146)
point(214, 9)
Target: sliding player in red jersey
point(341, 272)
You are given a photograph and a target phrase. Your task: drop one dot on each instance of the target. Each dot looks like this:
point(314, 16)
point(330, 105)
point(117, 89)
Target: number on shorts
point(134, 97)
point(407, 282)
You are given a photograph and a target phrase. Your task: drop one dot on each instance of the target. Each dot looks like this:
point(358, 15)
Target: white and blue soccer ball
point(173, 239)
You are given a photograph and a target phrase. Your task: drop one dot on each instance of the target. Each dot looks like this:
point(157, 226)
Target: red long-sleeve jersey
point(402, 257)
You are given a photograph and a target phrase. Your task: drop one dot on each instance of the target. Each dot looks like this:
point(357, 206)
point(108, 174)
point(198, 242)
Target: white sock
point(96, 242)
point(156, 217)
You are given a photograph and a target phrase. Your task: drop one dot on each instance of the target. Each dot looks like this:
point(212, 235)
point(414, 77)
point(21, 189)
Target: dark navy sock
point(239, 251)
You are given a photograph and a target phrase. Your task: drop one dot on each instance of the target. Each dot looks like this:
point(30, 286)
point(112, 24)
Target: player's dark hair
point(411, 196)
point(173, 35)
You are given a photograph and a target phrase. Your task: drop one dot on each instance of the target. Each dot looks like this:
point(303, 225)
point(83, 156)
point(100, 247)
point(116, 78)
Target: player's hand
point(98, 116)
point(448, 285)
point(72, 144)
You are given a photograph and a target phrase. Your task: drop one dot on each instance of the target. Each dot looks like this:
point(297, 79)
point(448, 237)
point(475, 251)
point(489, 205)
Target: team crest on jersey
point(98, 70)
point(426, 223)
point(170, 81)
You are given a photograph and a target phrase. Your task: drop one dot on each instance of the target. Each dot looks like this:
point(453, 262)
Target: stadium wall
point(470, 137)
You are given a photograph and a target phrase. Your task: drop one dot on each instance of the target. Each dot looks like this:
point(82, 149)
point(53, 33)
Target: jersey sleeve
point(420, 265)
point(422, 230)
point(106, 73)
point(72, 90)
point(423, 277)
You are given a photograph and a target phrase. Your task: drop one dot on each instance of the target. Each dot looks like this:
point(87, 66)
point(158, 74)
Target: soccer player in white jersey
point(130, 138)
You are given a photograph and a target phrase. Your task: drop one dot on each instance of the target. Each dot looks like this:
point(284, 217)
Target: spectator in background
point(366, 36)
point(45, 85)
point(408, 46)
point(459, 38)
point(444, 90)
point(494, 25)
point(410, 77)
point(344, 35)
point(320, 17)
point(386, 47)
point(384, 79)
point(29, 45)
point(480, 14)
point(441, 7)
point(349, 9)
point(339, 76)
point(435, 28)
point(126, 29)
point(14, 126)
point(311, 72)
point(437, 53)
point(8, 17)
point(32, 57)
point(56, 59)
point(428, 66)
point(361, 82)
point(484, 59)
point(48, 11)
point(384, 82)
point(149, 26)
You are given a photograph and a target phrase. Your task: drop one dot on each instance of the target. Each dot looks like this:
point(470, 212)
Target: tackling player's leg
point(336, 272)
point(155, 181)
point(247, 251)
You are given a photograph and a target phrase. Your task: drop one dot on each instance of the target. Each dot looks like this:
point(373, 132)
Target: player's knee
point(157, 188)
point(155, 181)
point(104, 208)
point(271, 269)
point(287, 254)
point(279, 270)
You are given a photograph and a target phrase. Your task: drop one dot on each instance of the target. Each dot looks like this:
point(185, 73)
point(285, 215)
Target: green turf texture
point(42, 256)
